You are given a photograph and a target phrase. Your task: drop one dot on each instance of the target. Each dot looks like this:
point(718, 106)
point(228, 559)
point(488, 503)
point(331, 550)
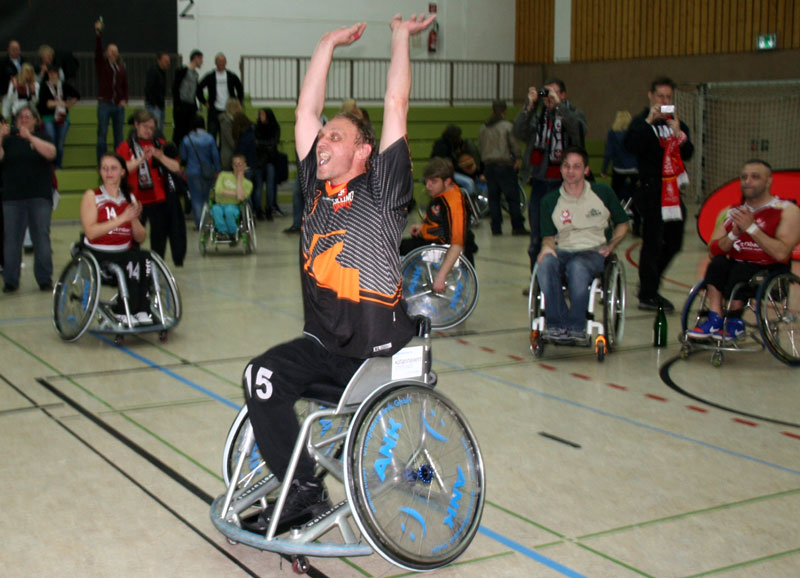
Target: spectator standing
point(23, 90)
point(112, 91)
point(227, 144)
point(451, 146)
point(268, 135)
point(184, 96)
point(623, 164)
point(244, 135)
point(175, 189)
point(548, 124)
point(661, 144)
point(10, 66)
point(56, 97)
point(199, 154)
point(500, 152)
point(221, 85)
point(145, 160)
point(155, 89)
point(26, 158)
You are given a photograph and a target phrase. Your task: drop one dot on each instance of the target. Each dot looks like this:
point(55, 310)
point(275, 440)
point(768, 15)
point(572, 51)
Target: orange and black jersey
point(446, 219)
point(350, 266)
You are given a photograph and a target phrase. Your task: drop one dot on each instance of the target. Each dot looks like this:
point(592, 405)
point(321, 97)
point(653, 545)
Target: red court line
point(580, 376)
point(487, 349)
point(545, 366)
point(745, 422)
point(615, 386)
point(695, 408)
point(791, 435)
point(635, 264)
point(462, 341)
point(516, 358)
point(655, 397)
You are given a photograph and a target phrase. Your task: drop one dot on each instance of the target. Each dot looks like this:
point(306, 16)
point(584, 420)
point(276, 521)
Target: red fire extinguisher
point(433, 35)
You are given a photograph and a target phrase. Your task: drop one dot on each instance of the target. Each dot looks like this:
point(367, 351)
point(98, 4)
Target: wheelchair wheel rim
point(414, 477)
point(445, 310)
point(76, 296)
point(778, 312)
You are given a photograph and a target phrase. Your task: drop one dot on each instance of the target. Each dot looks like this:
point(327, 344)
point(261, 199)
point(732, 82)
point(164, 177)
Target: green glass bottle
point(660, 327)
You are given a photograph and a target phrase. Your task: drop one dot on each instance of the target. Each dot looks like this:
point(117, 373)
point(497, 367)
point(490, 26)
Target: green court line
point(693, 513)
point(111, 407)
point(615, 561)
point(462, 563)
point(355, 566)
point(524, 519)
point(747, 563)
point(186, 362)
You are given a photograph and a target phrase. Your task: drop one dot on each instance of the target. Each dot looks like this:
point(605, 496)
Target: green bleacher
point(425, 125)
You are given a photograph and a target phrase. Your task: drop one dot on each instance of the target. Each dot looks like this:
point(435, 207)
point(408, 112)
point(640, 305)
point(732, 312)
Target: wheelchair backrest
point(412, 363)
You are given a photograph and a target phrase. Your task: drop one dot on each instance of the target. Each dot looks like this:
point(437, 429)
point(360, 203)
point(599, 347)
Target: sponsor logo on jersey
point(343, 200)
point(566, 217)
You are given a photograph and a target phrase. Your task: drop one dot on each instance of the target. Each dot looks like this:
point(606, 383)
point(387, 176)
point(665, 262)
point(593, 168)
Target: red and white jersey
point(767, 217)
point(108, 208)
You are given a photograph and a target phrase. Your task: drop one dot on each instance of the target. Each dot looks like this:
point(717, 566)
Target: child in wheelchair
point(111, 226)
point(231, 190)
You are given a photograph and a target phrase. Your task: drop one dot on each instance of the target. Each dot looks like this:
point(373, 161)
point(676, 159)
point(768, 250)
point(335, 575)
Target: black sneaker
point(304, 502)
point(651, 303)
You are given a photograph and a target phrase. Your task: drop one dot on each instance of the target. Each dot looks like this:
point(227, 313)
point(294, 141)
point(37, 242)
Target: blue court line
point(516, 546)
point(634, 422)
point(172, 374)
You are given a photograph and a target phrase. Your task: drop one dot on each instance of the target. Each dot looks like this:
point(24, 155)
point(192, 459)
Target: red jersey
point(108, 208)
point(767, 217)
point(154, 194)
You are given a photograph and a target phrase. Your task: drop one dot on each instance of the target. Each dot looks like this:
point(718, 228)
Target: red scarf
point(673, 174)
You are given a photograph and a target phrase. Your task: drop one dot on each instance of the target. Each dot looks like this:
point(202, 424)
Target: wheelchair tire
point(778, 313)
point(250, 242)
point(614, 303)
point(416, 491)
point(76, 296)
point(206, 230)
point(445, 310)
point(535, 311)
point(165, 298)
point(694, 310)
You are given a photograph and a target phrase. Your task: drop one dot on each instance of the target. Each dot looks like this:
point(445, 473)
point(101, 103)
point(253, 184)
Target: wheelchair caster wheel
point(600, 349)
point(716, 359)
point(232, 542)
point(685, 350)
point(162, 336)
point(118, 340)
point(300, 564)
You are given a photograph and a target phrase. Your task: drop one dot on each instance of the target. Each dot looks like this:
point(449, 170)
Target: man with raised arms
point(355, 194)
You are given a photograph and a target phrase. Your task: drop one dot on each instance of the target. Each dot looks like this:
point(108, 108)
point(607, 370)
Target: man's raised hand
point(417, 23)
point(346, 35)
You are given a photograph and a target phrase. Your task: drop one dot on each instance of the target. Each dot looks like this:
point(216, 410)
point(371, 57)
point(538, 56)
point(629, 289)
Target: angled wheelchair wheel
point(248, 230)
point(206, 230)
point(414, 476)
point(482, 199)
point(447, 309)
point(165, 298)
point(778, 312)
point(76, 296)
point(535, 312)
point(254, 468)
point(614, 302)
point(695, 309)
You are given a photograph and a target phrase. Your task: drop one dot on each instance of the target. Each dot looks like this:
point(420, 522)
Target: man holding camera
point(549, 124)
point(661, 144)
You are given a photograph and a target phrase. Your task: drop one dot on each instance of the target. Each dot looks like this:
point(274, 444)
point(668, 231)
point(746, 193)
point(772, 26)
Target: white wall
point(469, 29)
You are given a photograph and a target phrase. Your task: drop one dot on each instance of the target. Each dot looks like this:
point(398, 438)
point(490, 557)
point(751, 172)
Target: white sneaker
point(122, 319)
point(143, 318)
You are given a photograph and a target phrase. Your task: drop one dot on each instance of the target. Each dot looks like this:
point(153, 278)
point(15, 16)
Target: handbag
point(282, 168)
point(207, 171)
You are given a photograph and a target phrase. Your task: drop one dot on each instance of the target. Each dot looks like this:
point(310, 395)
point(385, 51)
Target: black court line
point(163, 467)
point(667, 379)
point(560, 440)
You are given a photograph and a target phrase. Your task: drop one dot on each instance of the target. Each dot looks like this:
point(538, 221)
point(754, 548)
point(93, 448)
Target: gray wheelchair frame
point(78, 303)
point(608, 288)
point(777, 320)
point(245, 232)
point(445, 310)
point(362, 419)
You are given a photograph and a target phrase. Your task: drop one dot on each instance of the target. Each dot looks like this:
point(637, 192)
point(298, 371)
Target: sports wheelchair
point(445, 310)
point(607, 291)
point(410, 464)
point(773, 299)
point(78, 301)
point(245, 235)
point(478, 204)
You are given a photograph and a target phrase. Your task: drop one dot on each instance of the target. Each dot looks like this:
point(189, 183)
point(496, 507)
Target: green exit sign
point(767, 41)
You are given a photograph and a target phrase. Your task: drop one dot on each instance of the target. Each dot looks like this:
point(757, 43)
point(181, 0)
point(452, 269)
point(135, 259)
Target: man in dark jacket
point(184, 96)
point(155, 88)
point(10, 66)
point(221, 85)
point(112, 91)
point(661, 144)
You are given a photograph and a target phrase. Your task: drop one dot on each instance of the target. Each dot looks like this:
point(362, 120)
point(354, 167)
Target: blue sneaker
point(734, 329)
point(708, 329)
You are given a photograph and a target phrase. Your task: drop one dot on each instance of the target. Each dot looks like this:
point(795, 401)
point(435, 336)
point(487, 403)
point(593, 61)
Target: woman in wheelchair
point(110, 221)
point(231, 189)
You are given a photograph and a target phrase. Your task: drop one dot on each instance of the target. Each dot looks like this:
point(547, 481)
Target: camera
point(14, 131)
point(668, 109)
point(543, 92)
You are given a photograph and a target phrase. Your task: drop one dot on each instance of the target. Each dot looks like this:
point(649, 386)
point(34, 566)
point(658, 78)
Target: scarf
point(549, 141)
point(60, 113)
point(673, 174)
point(145, 178)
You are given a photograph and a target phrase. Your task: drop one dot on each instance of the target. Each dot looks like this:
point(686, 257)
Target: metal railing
point(278, 79)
